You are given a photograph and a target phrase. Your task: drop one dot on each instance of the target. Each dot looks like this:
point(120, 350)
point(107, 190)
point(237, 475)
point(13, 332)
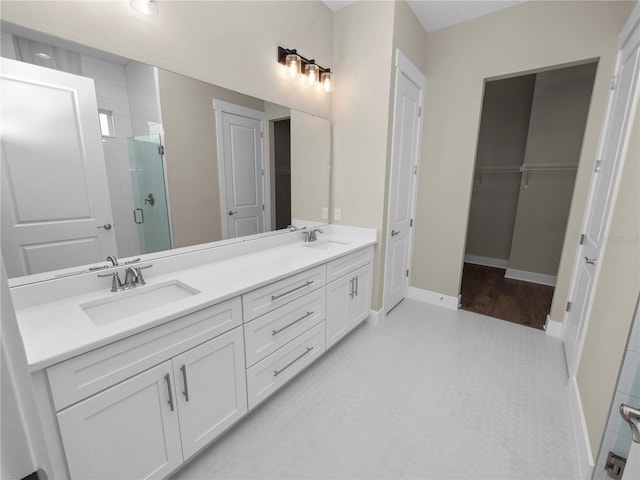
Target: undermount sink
point(135, 301)
point(327, 245)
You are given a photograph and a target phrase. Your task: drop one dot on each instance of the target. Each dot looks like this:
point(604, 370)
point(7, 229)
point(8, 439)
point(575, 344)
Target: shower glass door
point(151, 213)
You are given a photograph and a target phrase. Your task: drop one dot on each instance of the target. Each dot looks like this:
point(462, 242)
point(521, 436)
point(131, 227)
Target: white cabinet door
point(211, 389)
point(348, 303)
point(338, 300)
point(360, 304)
point(128, 431)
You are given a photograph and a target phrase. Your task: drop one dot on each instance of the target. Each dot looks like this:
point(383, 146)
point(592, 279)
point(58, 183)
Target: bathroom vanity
point(134, 383)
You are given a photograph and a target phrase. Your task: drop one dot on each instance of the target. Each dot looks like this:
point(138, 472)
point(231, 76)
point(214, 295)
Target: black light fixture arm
point(282, 55)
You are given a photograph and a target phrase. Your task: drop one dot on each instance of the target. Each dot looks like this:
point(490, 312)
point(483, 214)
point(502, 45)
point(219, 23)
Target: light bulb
point(327, 81)
point(312, 72)
point(292, 62)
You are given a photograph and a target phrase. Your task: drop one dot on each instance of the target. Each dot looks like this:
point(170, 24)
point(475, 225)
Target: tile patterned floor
point(428, 394)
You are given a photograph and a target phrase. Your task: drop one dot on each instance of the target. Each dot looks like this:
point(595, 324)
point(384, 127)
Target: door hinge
point(582, 237)
point(263, 208)
point(614, 82)
point(415, 169)
point(598, 166)
point(568, 307)
point(261, 134)
point(160, 150)
point(411, 222)
point(419, 111)
point(407, 272)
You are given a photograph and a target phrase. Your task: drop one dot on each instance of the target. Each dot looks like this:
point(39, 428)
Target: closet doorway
point(529, 145)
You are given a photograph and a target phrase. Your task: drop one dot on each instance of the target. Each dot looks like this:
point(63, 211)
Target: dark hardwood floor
point(486, 291)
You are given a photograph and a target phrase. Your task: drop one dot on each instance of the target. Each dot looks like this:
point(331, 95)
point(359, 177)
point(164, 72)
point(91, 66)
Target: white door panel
point(242, 147)
point(54, 184)
point(603, 184)
point(402, 183)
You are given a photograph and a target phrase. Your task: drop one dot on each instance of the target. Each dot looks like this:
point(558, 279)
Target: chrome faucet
point(311, 235)
point(113, 260)
point(293, 228)
point(132, 278)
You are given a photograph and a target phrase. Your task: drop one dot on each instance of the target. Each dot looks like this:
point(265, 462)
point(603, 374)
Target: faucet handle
point(116, 283)
point(139, 277)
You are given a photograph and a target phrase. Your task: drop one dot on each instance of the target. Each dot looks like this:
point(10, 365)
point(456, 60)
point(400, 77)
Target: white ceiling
point(437, 14)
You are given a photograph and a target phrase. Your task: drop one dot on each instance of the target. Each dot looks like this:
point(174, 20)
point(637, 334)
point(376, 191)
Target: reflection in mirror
point(148, 176)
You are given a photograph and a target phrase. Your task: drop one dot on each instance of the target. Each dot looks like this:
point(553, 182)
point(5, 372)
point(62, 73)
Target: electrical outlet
point(325, 213)
point(337, 213)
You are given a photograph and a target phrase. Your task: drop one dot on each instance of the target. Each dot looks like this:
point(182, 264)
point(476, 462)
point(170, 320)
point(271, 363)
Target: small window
point(107, 127)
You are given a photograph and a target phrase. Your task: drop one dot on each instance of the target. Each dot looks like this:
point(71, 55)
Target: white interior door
point(241, 166)
point(55, 196)
point(407, 128)
point(604, 182)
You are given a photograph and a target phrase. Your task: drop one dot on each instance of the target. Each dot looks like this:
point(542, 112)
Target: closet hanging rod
point(498, 170)
point(548, 166)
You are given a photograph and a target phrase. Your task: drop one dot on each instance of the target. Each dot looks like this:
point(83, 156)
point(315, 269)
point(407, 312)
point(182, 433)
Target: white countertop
point(58, 330)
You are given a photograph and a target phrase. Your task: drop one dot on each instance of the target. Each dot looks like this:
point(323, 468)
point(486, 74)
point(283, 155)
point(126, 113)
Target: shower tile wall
point(113, 95)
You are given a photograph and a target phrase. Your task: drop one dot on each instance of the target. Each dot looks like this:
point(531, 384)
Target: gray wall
point(506, 109)
point(558, 117)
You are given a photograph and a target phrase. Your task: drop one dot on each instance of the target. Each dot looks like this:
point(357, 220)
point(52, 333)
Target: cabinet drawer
point(92, 372)
point(266, 376)
point(269, 297)
point(342, 266)
point(266, 334)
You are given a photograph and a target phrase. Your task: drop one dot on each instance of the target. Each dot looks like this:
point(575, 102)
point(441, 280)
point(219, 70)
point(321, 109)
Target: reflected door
point(151, 212)
point(242, 171)
point(56, 211)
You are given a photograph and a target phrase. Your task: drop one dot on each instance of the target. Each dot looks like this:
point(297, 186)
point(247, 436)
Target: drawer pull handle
point(275, 332)
point(278, 372)
point(170, 402)
point(183, 369)
point(306, 284)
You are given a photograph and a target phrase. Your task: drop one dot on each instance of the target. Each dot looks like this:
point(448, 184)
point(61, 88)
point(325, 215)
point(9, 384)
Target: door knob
point(590, 261)
point(394, 233)
point(106, 226)
point(231, 213)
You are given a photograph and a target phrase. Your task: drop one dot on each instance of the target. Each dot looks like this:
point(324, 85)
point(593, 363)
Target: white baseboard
point(585, 458)
point(487, 261)
point(376, 317)
point(532, 277)
point(434, 298)
point(553, 328)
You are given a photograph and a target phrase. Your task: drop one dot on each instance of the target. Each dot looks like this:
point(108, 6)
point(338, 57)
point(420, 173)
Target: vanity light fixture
point(314, 74)
point(146, 7)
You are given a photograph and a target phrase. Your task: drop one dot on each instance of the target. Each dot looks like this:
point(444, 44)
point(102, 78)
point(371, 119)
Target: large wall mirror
point(129, 159)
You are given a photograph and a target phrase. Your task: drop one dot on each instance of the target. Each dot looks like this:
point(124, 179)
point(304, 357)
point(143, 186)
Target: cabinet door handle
point(167, 377)
point(275, 332)
point(183, 369)
point(357, 284)
point(306, 284)
point(352, 291)
point(278, 372)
